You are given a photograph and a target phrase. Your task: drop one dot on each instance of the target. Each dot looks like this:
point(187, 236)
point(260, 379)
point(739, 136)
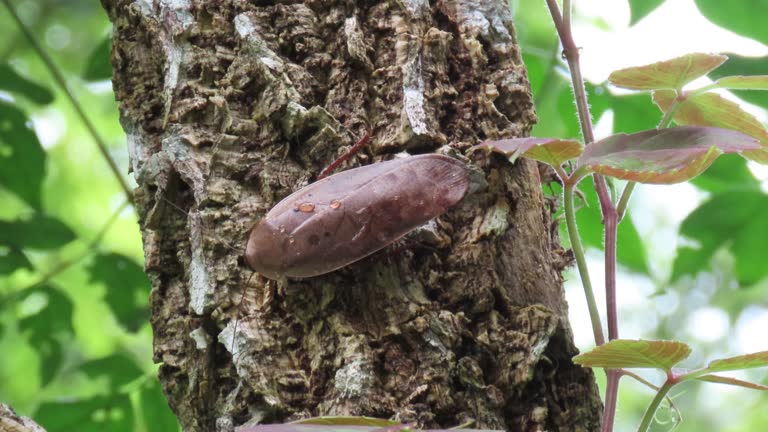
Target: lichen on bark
point(229, 106)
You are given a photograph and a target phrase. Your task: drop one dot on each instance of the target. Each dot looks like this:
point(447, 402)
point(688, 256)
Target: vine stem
point(607, 207)
point(581, 261)
point(59, 78)
point(651, 410)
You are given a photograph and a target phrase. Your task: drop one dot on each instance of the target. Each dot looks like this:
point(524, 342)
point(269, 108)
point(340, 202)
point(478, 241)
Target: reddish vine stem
point(608, 208)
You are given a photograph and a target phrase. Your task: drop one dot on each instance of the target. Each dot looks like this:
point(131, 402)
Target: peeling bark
point(230, 105)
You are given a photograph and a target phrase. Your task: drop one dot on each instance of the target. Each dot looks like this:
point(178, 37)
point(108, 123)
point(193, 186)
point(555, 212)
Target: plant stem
point(59, 78)
point(651, 411)
point(611, 398)
point(610, 217)
point(581, 262)
point(666, 120)
point(621, 208)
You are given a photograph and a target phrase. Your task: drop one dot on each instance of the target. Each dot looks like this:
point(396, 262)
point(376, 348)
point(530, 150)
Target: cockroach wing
point(348, 216)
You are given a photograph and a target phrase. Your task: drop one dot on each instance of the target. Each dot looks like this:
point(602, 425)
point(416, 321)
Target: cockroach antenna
point(355, 148)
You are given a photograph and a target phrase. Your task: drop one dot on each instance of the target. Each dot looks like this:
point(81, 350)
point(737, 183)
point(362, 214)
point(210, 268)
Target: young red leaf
point(663, 156)
point(551, 151)
point(623, 353)
point(711, 109)
point(732, 381)
point(669, 74)
point(741, 82)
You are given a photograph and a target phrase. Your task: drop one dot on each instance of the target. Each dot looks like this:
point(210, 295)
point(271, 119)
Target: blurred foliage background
point(75, 342)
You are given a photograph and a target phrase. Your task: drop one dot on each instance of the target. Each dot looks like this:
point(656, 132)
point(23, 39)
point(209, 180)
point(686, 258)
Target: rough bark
point(230, 105)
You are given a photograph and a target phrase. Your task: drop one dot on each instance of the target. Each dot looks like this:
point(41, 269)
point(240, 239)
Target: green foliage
point(118, 369)
point(36, 232)
point(13, 82)
point(100, 413)
point(99, 67)
point(639, 9)
point(154, 409)
point(65, 348)
point(733, 219)
point(22, 160)
point(739, 16)
point(45, 328)
point(127, 288)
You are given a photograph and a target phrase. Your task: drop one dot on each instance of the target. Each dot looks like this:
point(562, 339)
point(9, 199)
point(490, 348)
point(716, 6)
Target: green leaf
point(155, 411)
point(710, 109)
point(750, 82)
point(112, 413)
point(11, 81)
point(99, 67)
point(37, 232)
point(663, 156)
point(733, 219)
point(732, 381)
point(127, 288)
point(743, 17)
point(639, 9)
point(623, 353)
point(633, 113)
point(740, 65)
point(746, 361)
point(668, 74)
point(43, 328)
point(12, 260)
point(22, 159)
point(551, 151)
point(117, 368)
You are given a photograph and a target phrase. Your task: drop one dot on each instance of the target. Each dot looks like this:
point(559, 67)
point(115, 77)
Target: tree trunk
point(231, 105)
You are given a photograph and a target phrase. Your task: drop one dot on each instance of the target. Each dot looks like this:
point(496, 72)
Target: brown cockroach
point(345, 217)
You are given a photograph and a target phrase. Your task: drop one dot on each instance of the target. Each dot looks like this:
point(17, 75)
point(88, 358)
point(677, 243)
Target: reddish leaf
point(669, 74)
point(740, 82)
point(663, 156)
point(710, 109)
point(551, 151)
point(623, 353)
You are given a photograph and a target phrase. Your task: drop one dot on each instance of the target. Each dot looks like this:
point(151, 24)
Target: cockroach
point(346, 217)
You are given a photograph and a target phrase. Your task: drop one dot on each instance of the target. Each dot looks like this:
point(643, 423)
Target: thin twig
point(61, 81)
